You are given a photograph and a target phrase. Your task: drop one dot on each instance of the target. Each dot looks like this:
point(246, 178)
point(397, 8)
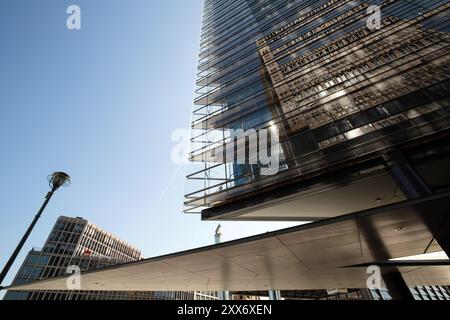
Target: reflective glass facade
point(337, 91)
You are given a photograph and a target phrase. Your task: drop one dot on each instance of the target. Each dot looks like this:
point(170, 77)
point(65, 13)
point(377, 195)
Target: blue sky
point(100, 103)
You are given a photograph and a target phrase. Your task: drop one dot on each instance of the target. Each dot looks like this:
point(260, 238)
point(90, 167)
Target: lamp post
point(55, 181)
point(217, 235)
point(223, 295)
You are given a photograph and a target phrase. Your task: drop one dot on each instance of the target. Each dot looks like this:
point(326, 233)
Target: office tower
point(77, 242)
point(356, 94)
point(349, 100)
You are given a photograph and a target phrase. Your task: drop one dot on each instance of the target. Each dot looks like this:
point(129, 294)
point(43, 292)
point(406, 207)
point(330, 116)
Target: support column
point(407, 179)
point(274, 295)
point(223, 295)
point(397, 287)
point(413, 186)
point(393, 279)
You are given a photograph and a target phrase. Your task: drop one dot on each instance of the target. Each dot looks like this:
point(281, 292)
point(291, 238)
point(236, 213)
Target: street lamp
point(56, 180)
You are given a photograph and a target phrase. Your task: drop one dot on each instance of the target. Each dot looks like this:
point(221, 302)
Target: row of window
point(319, 29)
point(370, 96)
point(396, 56)
point(79, 295)
point(99, 241)
point(70, 224)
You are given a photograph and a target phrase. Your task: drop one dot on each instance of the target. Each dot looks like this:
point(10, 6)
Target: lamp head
point(58, 179)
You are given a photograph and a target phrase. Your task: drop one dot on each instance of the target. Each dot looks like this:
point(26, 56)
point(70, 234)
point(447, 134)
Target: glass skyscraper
point(344, 88)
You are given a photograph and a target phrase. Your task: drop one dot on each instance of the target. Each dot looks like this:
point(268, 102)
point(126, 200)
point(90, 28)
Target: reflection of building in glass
point(76, 242)
point(353, 77)
point(340, 96)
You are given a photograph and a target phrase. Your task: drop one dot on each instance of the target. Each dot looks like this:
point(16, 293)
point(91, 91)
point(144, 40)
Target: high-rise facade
point(75, 242)
point(350, 87)
point(356, 94)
